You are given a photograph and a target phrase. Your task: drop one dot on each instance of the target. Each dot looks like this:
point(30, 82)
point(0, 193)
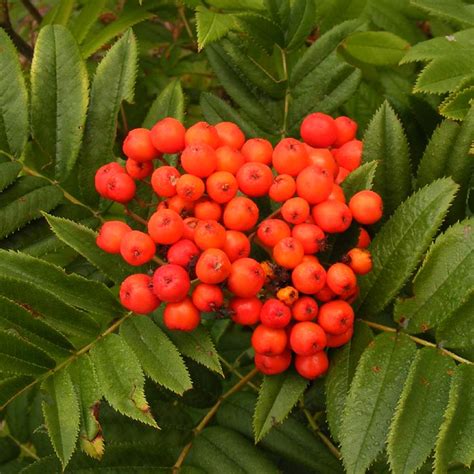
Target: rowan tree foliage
point(86, 385)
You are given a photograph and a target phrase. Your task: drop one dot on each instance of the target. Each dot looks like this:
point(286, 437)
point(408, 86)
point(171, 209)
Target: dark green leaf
point(82, 239)
point(59, 97)
point(359, 179)
point(113, 83)
point(8, 173)
point(373, 396)
point(22, 358)
point(158, 356)
point(61, 413)
point(212, 25)
point(457, 105)
point(11, 386)
point(340, 374)
point(13, 100)
point(457, 431)
point(121, 378)
point(398, 247)
point(420, 411)
point(386, 143)
point(81, 25)
point(443, 283)
point(168, 103)
point(261, 29)
point(217, 450)
point(277, 396)
point(301, 21)
point(457, 331)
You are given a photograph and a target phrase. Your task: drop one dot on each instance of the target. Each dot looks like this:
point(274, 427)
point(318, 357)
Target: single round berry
point(136, 294)
point(209, 234)
point(349, 155)
point(254, 179)
point(311, 237)
point(288, 253)
point(181, 206)
point(308, 277)
point(164, 180)
point(313, 366)
point(207, 297)
point(120, 187)
point(341, 279)
point(229, 159)
point(167, 135)
point(346, 130)
point(304, 309)
point(181, 316)
point(138, 145)
point(271, 231)
point(213, 266)
point(325, 294)
point(199, 159)
point(359, 260)
point(110, 236)
point(336, 317)
point(318, 130)
point(171, 283)
point(202, 133)
point(240, 213)
point(295, 210)
point(190, 187)
point(307, 338)
point(314, 184)
point(337, 194)
point(272, 365)
point(246, 277)
point(237, 245)
point(245, 311)
point(222, 186)
point(230, 134)
point(183, 253)
point(138, 169)
point(366, 207)
point(206, 209)
point(275, 314)
point(269, 341)
point(189, 227)
point(282, 188)
point(332, 216)
point(257, 150)
point(137, 248)
point(290, 157)
point(340, 339)
point(103, 174)
point(323, 159)
point(165, 227)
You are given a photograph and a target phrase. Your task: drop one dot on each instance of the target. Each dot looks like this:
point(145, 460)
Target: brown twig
point(33, 10)
point(23, 47)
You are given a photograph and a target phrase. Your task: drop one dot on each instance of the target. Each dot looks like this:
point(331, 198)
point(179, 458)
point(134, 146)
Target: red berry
point(305, 309)
point(323, 159)
point(246, 277)
point(202, 133)
point(311, 237)
point(332, 216)
point(341, 279)
point(254, 179)
point(136, 294)
point(240, 213)
point(366, 207)
point(221, 186)
point(271, 231)
point(171, 283)
point(120, 187)
point(341, 175)
point(313, 366)
point(245, 311)
point(337, 194)
point(307, 338)
point(257, 150)
point(288, 253)
point(275, 314)
point(213, 266)
point(167, 135)
point(182, 253)
point(164, 180)
point(189, 224)
point(199, 159)
point(190, 187)
point(138, 169)
point(359, 260)
point(269, 341)
point(138, 145)
point(209, 234)
point(103, 174)
point(364, 238)
point(336, 317)
point(271, 365)
point(340, 339)
point(165, 227)
point(308, 277)
point(181, 316)
point(346, 130)
point(110, 236)
point(237, 245)
point(207, 297)
point(318, 130)
point(283, 188)
point(290, 157)
point(295, 210)
point(229, 159)
point(325, 294)
point(314, 184)
point(137, 248)
point(230, 134)
point(206, 209)
point(349, 155)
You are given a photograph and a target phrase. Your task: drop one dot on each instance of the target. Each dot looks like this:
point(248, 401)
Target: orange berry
point(340, 339)
point(364, 238)
point(221, 186)
point(199, 159)
point(288, 253)
point(341, 279)
point(366, 207)
point(271, 231)
point(254, 179)
point(230, 134)
point(190, 187)
point(110, 236)
point(337, 194)
point(209, 234)
point(164, 180)
point(245, 311)
point(318, 130)
point(305, 309)
point(202, 133)
point(359, 260)
point(213, 266)
point(229, 159)
point(165, 227)
point(246, 278)
point(257, 150)
point(269, 341)
point(182, 316)
point(167, 135)
point(205, 209)
point(308, 277)
point(346, 130)
point(311, 237)
point(313, 366)
point(332, 216)
point(295, 210)
point(282, 188)
point(237, 245)
point(323, 158)
point(290, 157)
point(138, 145)
point(314, 184)
point(271, 365)
point(240, 213)
point(349, 155)
point(336, 317)
point(307, 338)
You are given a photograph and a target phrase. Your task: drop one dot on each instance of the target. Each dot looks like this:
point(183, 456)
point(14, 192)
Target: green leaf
point(216, 450)
point(277, 396)
point(454, 442)
point(113, 83)
point(398, 247)
point(18, 320)
point(82, 239)
point(420, 411)
point(157, 354)
point(301, 21)
point(88, 393)
point(341, 371)
point(45, 304)
point(443, 283)
point(11, 386)
point(359, 179)
point(211, 25)
point(61, 413)
point(59, 14)
point(290, 440)
point(457, 105)
point(168, 103)
point(59, 98)
point(378, 48)
point(385, 142)
point(457, 331)
point(8, 173)
point(261, 30)
point(81, 25)
point(94, 42)
point(78, 291)
point(196, 345)
point(447, 154)
point(23, 202)
point(455, 11)
point(372, 399)
point(13, 100)
point(121, 378)
point(22, 358)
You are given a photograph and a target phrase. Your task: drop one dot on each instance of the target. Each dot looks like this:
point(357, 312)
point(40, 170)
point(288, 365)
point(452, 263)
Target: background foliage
point(84, 385)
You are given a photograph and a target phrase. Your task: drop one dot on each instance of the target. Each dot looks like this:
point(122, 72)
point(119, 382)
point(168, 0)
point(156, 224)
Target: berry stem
point(418, 340)
point(231, 368)
point(210, 414)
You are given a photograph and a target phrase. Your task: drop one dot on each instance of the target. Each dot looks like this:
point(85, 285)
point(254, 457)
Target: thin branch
point(182, 15)
point(287, 94)
point(25, 49)
point(210, 414)
point(234, 371)
point(33, 10)
point(24, 448)
point(418, 340)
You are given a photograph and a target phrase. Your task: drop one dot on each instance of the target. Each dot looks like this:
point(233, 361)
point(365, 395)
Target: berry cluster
point(206, 226)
